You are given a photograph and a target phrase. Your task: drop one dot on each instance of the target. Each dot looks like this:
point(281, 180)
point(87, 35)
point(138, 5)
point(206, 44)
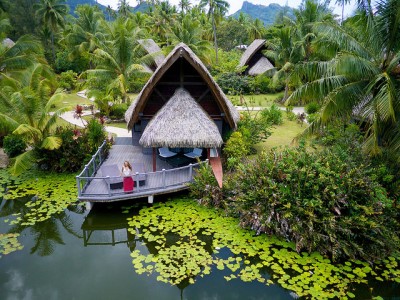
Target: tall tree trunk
point(343, 3)
point(285, 95)
point(52, 46)
point(215, 38)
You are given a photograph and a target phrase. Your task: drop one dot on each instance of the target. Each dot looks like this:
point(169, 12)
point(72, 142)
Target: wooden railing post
point(163, 177)
point(78, 184)
point(190, 171)
point(137, 181)
point(109, 185)
point(94, 164)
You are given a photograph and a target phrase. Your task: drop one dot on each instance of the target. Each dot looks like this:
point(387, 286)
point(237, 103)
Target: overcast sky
point(235, 5)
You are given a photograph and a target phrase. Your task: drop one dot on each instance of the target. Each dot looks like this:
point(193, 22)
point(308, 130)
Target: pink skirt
point(128, 184)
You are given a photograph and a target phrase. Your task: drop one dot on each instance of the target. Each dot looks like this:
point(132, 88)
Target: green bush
point(273, 115)
point(204, 187)
point(322, 201)
point(254, 129)
point(77, 148)
point(235, 84)
point(311, 118)
point(312, 108)
point(63, 63)
point(235, 149)
point(13, 145)
point(68, 80)
point(118, 111)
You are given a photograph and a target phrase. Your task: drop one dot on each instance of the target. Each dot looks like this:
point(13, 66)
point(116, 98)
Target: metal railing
point(91, 168)
point(144, 182)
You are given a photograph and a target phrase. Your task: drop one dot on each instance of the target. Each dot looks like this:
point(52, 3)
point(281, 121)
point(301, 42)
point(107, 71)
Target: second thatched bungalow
point(254, 60)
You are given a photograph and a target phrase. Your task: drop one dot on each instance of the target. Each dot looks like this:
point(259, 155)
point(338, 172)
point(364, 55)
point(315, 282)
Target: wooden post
point(137, 180)
point(78, 185)
point(154, 159)
point(190, 172)
point(208, 153)
point(163, 177)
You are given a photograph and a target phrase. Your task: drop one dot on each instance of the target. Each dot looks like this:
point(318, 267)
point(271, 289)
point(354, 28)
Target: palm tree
point(16, 59)
point(184, 5)
point(123, 8)
point(86, 33)
point(342, 3)
point(25, 111)
point(189, 32)
point(118, 57)
point(215, 8)
point(285, 51)
point(363, 78)
point(310, 12)
point(52, 13)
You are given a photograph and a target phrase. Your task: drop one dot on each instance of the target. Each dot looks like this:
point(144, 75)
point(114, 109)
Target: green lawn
point(265, 100)
point(282, 135)
point(71, 100)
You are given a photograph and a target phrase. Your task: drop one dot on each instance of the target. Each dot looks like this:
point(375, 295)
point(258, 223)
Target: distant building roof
point(8, 42)
point(253, 58)
point(154, 50)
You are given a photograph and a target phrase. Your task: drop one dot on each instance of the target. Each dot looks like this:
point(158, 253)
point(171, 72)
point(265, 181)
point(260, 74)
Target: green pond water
point(175, 249)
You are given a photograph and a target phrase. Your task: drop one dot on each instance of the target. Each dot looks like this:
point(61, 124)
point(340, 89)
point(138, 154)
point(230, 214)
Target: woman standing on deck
point(127, 172)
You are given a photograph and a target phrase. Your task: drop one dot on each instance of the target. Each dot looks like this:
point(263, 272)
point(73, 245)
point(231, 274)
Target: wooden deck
point(93, 186)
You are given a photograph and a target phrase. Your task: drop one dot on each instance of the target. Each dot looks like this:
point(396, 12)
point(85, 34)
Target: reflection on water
point(81, 255)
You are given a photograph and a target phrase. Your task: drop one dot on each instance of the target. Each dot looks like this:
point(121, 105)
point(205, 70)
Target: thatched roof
point(152, 48)
point(262, 65)
point(8, 43)
point(182, 50)
point(181, 122)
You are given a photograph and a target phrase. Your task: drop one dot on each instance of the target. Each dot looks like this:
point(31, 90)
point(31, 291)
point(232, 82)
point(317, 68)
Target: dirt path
point(3, 159)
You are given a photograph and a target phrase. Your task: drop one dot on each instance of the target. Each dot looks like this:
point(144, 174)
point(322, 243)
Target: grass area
point(282, 135)
point(264, 100)
point(71, 100)
point(119, 125)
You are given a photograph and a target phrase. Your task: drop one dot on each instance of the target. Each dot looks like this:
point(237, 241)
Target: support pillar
point(89, 206)
point(208, 153)
point(154, 159)
point(150, 199)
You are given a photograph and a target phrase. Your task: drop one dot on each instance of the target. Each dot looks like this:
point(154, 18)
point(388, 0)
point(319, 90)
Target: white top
point(126, 171)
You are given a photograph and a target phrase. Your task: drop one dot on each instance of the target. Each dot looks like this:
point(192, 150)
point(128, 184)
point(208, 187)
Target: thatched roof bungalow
point(182, 68)
point(254, 59)
point(181, 106)
point(7, 42)
point(154, 51)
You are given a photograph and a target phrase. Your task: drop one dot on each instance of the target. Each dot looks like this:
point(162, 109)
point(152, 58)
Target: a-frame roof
point(181, 122)
point(182, 51)
point(262, 65)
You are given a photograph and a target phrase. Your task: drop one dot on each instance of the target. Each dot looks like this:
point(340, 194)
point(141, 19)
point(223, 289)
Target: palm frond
point(23, 162)
point(51, 143)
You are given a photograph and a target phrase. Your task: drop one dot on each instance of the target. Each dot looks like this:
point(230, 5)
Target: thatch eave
point(182, 123)
point(250, 51)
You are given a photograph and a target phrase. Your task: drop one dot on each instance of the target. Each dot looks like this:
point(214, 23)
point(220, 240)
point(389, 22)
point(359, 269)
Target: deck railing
point(155, 181)
point(91, 168)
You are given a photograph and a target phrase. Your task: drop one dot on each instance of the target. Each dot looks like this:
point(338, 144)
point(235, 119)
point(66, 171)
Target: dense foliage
point(335, 201)
point(77, 148)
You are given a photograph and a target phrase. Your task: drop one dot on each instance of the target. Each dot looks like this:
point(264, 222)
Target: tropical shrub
point(253, 128)
point(118, 111)
point(63, 63)
point(13, 145)
point(77, 148)
point(235, 84)
point(204, 187)
point(272, 116)
point(68, 80)
point(323, 201)
point(235, 149)
point(312, 108)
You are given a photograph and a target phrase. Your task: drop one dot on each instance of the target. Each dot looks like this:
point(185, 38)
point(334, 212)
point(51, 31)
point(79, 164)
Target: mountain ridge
point(266, 14)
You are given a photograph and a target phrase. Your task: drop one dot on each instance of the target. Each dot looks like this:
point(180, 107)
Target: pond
point(174, 249)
